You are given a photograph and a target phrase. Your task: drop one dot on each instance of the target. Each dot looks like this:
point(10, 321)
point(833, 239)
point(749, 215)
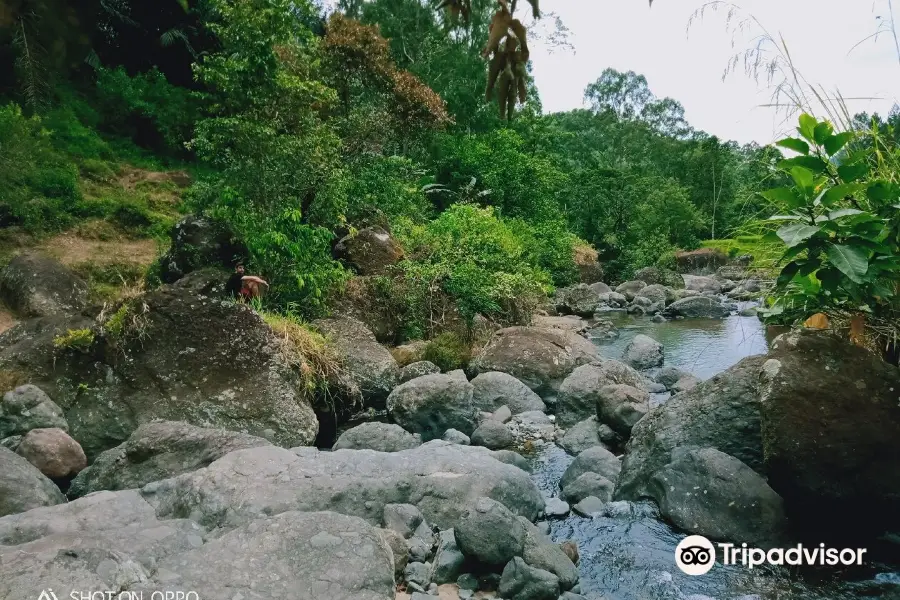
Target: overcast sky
point(688, 64)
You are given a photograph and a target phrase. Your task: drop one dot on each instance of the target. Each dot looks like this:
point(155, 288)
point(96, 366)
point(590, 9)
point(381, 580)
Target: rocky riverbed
point(567, 462)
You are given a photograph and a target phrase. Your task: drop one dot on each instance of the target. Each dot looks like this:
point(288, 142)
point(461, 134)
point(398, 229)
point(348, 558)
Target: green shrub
point(448, 351)
point(79, 340)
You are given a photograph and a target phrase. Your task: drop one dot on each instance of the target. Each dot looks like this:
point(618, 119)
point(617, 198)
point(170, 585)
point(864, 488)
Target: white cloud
point(688, 65)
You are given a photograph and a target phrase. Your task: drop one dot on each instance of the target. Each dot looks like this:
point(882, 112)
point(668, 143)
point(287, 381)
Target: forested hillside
point(299, 125)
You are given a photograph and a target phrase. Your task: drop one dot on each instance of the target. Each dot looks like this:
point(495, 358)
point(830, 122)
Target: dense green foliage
point(302, 126)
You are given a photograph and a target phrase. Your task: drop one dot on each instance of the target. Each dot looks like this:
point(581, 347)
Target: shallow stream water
point(630, 556)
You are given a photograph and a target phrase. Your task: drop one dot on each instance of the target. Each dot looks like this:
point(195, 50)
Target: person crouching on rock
point(244, 287)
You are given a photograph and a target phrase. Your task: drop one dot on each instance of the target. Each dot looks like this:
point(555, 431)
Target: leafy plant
point(448, 351)
point(840, 225)
point(79, 340)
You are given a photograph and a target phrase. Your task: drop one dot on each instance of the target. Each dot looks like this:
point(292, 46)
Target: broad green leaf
point(883, 191)
point(785, 218)
point(843, 212)
point(822, 132)
point(809, 267)
point(836, 143)
point(786, 196)
point(794, 144)
point(850, 173)
point(807, 127)
point(787, 273)
point(796, 233)
point(793, 253)
point(803, 177)
point(852, 262)
point(839, 192)
point(813, 163)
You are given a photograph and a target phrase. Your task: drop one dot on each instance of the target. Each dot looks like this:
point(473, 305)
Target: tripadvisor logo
point(696, 555)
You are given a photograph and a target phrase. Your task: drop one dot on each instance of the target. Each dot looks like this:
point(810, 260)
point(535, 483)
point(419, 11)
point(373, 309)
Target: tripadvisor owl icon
point(695, 555)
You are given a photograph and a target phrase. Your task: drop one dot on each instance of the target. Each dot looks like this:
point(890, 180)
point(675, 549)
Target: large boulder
point(630, 289)
point(721, 413)
point(383, 437)
point(27, 407)
point(831, 431)
point(698, 307)
point(643, 352)
point(493, 390)
point(53, 452)
point(369, 251)
point(586, 485)
point(703, 260)
point(169, 355)
point(493, 434)
point(198, 242)
point(369, 364)
point(658, 296)
point(660, 276)
point(488, 532)
point(699, 283)
point(432, 404)
point(621, 406)
point(578, 300)
point(35, 285)
point(541, 553)
point(23, 487)
point(539, 358)
point(523, 582)
point(439, 478)
point(159, 450)
point(579, 392)
point(581, 436)
point(709, 493)
point(593, 460)
point(419, 368)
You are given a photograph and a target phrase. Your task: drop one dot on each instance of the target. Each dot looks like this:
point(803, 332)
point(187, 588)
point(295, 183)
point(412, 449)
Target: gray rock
point(405, 519)
point(643, 352)
point(581, 436)
point(603, 330)
point(23, 487)
point(589, 507)
point(600, 288)
point(305, 549)
point(668, 376)
point(688, 382)
point(699, 283)
point(432, 404)
point(156, 451)
point(660, 276)
point(588, 484)
point(630, 289)
point(579, 393)
point(658, 319)
point(369, 364)
point(709, 493)
point(454, 436)
point(53, 452)
point(458, 374)
point(502, 414)
point(493, 434)
point(448, 560)
point(621, 407)
point(570, 323)
point(417, 573)
point(383, 437)
point(369, 251)
point(831, 432)
point(541, 553)
point(35, 285)
point(399, 550)
point(750, 311)
point(179, 357)
point(539, 358)
point(523, 582)
point(12, 442)
point(655, 388)
point(593, 460)
point(418, 369)
point(488, 532)
point(439, 478)
point(721, 413)
point(697, 307)
point(511, 457)
point(467, 581)
point(199, 244)
point(658, 295)
point(571, 596)
point(578, 300)
point(27, 407)
point(493, 390)
point(554, 507)
point(616, 300)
